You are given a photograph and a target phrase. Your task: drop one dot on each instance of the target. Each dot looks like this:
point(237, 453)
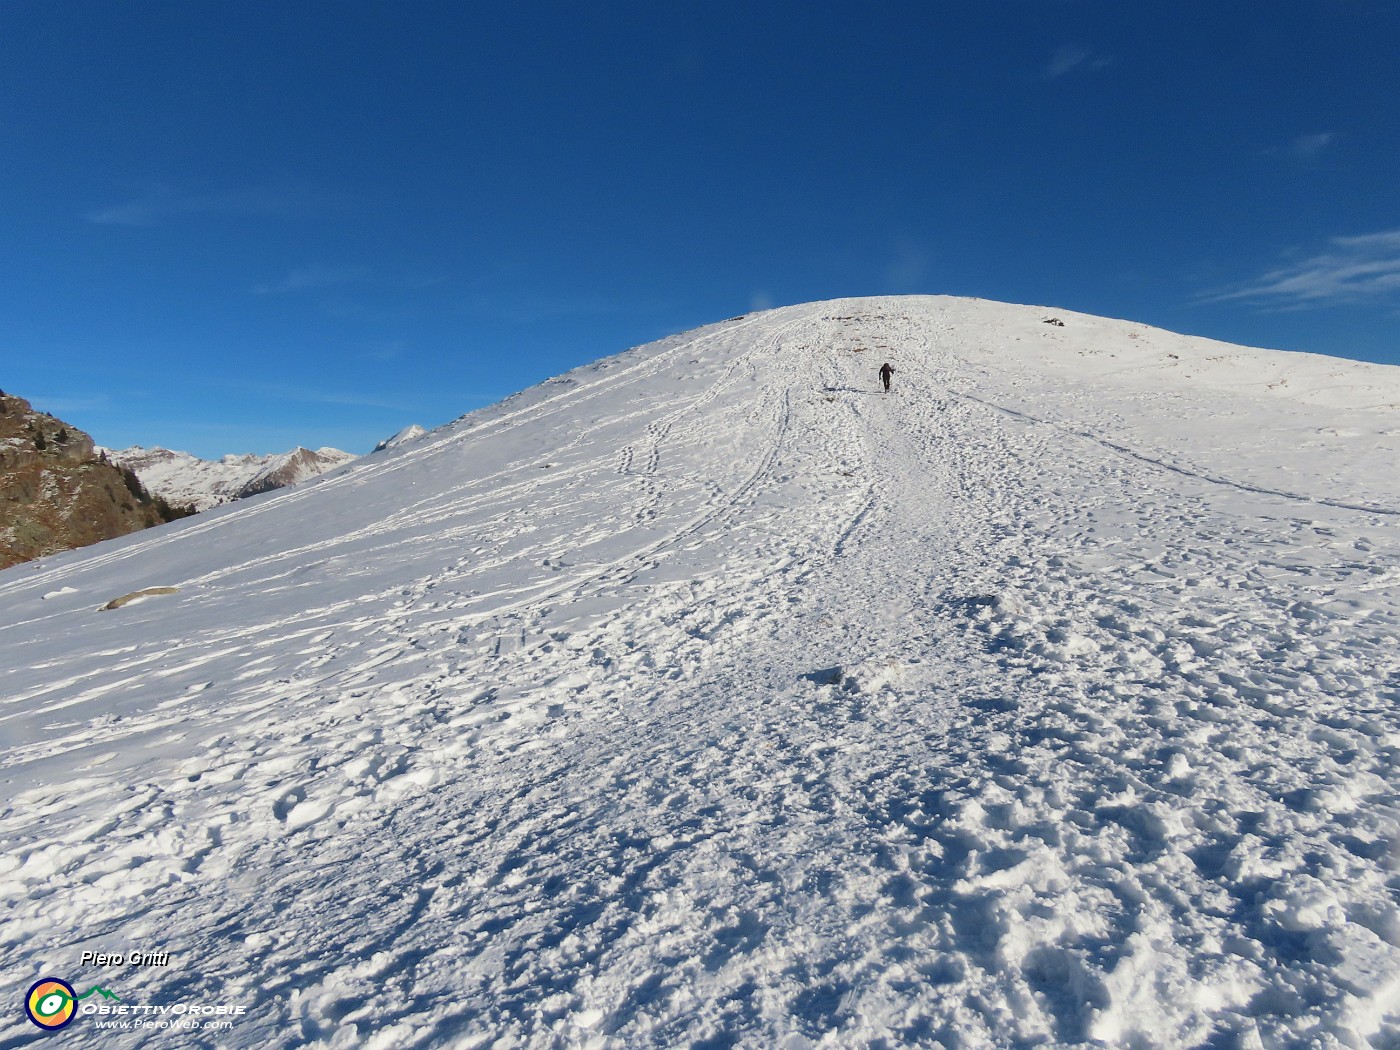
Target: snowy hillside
point(706, 696)
point(187, 480)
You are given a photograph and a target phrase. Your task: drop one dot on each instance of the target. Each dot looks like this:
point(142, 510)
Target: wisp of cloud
point(1354, 269)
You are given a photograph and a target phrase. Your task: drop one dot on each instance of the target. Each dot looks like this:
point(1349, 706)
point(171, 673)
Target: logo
point(52, 1003)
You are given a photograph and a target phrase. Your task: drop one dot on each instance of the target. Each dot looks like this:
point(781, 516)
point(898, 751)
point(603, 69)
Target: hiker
point(885, 372)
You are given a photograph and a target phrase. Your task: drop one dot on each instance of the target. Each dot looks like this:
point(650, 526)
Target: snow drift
point(707, 696)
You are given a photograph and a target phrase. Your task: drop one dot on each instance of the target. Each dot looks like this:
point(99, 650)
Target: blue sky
point(244, 226)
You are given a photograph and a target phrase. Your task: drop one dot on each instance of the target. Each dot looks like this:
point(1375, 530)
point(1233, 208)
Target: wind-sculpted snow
point(706, 696)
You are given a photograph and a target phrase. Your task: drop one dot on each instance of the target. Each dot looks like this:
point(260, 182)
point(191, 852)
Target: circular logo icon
point(51, 1003)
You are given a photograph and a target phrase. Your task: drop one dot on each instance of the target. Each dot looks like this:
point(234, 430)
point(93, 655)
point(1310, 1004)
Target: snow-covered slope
point(187, 480)
point(705, 696)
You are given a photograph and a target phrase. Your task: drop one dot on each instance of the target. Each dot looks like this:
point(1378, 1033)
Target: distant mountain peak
point(407, 434)
point(204, 483)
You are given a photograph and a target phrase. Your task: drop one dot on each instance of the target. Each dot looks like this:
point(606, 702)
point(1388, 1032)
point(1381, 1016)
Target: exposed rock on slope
point(57, 492)
point(204, 483)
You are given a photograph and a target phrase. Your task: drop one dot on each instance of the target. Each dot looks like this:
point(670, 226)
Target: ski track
point(779, 712)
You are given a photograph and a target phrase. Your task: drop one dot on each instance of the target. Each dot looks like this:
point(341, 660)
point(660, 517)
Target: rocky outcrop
point(57, 492)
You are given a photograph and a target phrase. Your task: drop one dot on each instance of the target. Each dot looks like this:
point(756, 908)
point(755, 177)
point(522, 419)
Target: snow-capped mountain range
point(203, 483)
point(709, 696)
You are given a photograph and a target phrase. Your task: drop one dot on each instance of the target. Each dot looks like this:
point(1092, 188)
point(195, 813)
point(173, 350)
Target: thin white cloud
point(908, 267)
point(314, 396)
point(1072, 57)
point(1305, 146)
point(311, 278)
point(59, 405)
point(531, 307)
point(384, 350)
point(162, 204)
point(1363, 268)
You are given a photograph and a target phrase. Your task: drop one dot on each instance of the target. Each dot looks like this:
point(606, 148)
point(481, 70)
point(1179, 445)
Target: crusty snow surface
point(706, 696)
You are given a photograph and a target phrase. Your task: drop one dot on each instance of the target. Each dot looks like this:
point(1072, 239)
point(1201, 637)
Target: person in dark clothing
point(885, 372)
